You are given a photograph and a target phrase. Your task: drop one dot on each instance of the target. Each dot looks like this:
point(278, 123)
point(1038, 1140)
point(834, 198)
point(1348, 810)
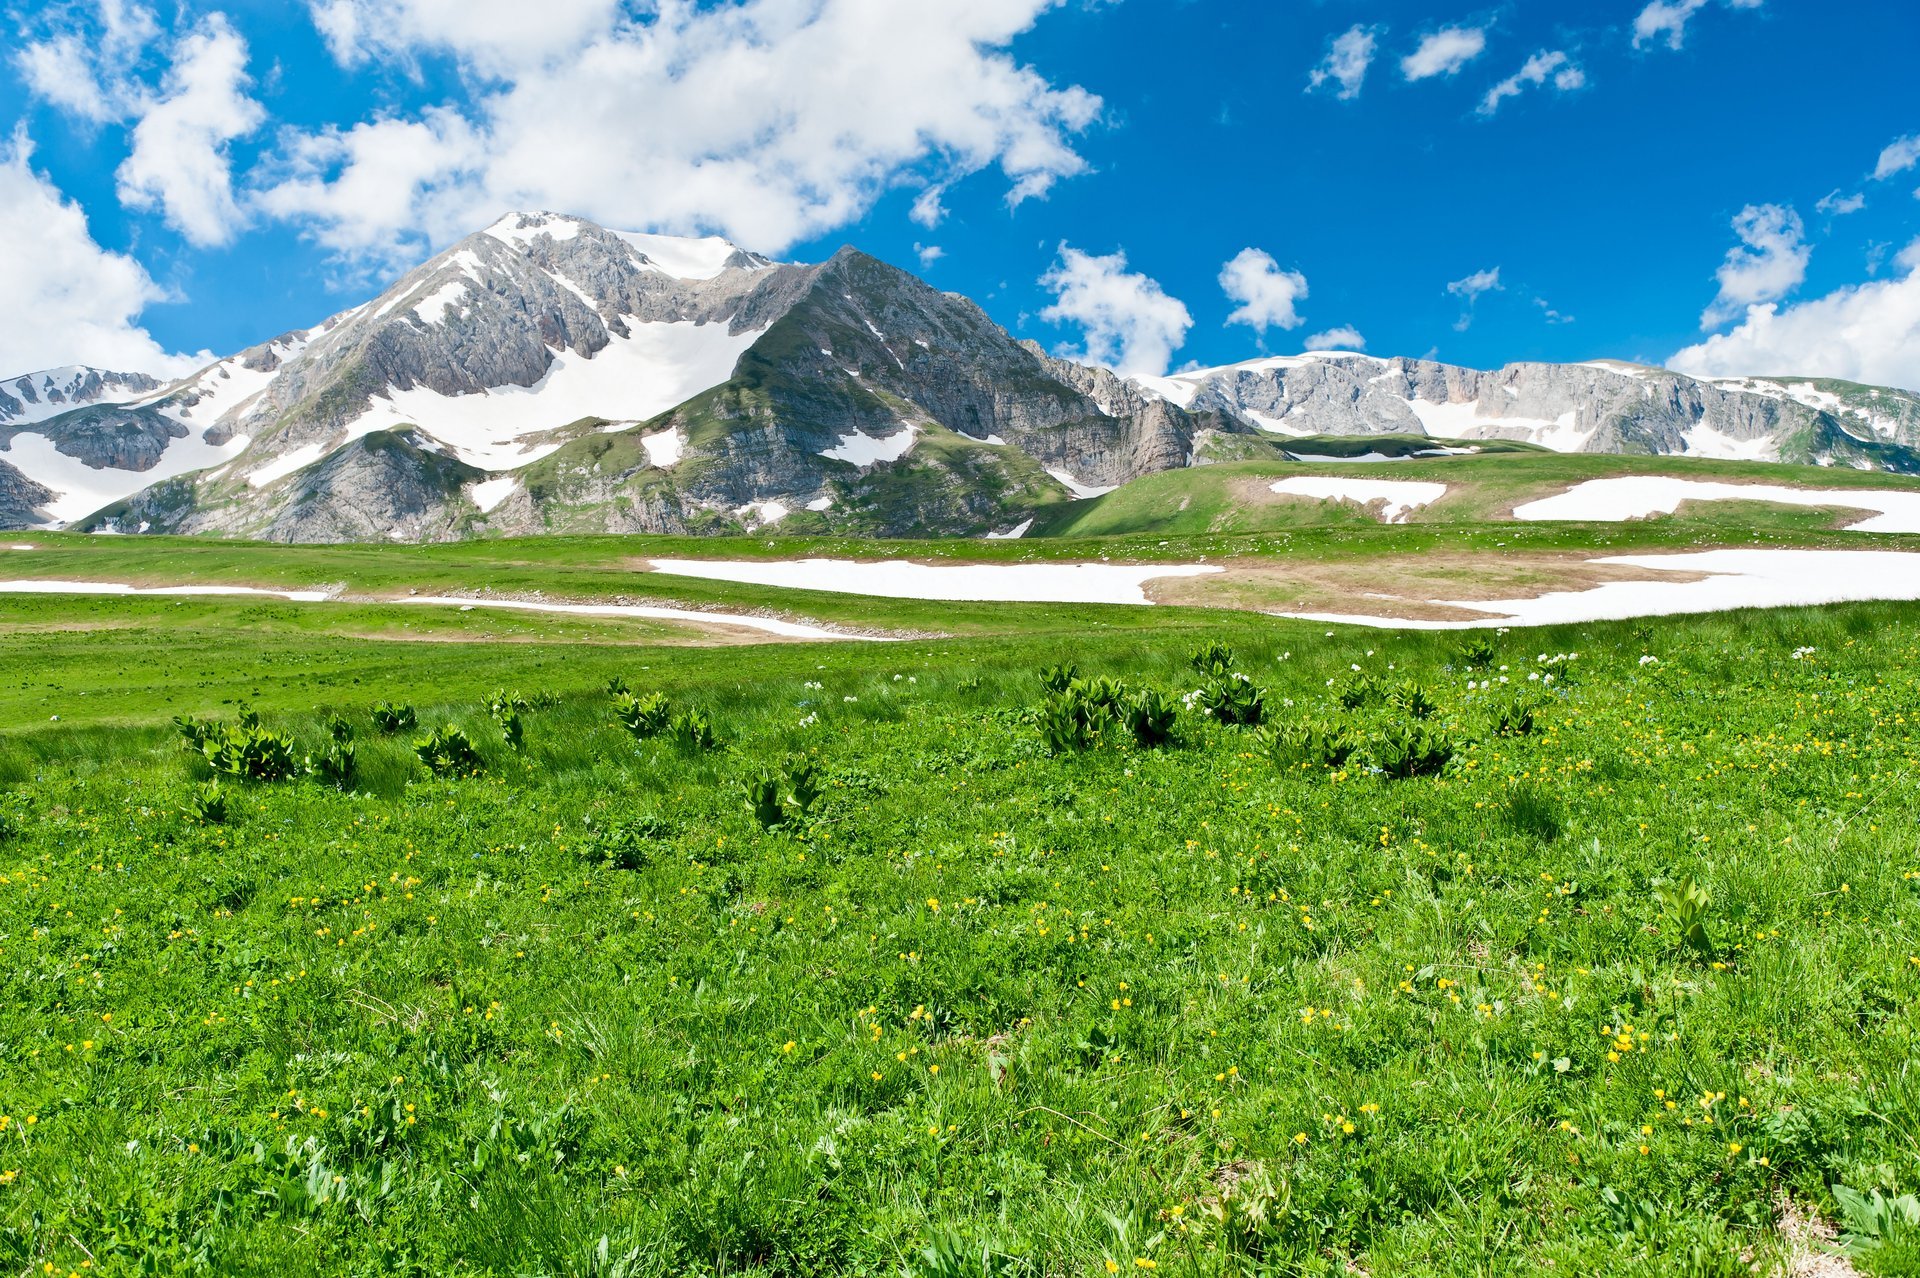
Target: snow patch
point(80, 489)
point(1014, 533)
point(861, 449)
point(683, 257)
point(434, 308)
point(759, 514)
point(489, 493)
point(1636, 496)
point(522, 229)
point(767, 625)
point(1078, 489)
point(285, 464)
point(113, 588)
point(1402, 496)
point(1736, 579)
point(978, 583)
point(636, 378)
point(665, 448)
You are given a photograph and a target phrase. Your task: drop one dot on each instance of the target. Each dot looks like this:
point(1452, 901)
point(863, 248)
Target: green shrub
point(763, 799)
point(1410, 749)
point(692, 731)
point(1513, 717)
point(1359, 690)
point(1477, 653)
point(333, 766)
point(448, 752)
point(251, 753)
point(195, 732)
point(1234, 700)
point(339, 729)
point(1068, 721)
point(625, 843)
point(1686, 907)
point(1149, 717)
point(1413, 701)
point(1059, 678)
point(1212, 659)
point(617, 687)
point(803, 784)
point(1310, 743)
point(643, 717)
point(391, 719)
point(207, 805)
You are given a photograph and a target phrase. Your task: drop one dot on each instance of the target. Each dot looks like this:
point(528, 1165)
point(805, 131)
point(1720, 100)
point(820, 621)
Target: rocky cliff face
point(33, 397)
point(1602, 407)
point(548, 374)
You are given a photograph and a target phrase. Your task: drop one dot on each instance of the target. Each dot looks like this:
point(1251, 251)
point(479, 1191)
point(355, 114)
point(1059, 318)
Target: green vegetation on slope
point(1635, 969)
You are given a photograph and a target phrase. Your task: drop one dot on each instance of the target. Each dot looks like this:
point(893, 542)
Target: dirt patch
point(1398, 586)
point(1811, 1250)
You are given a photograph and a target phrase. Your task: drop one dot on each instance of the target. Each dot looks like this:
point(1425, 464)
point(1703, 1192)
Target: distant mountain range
point(548, 374)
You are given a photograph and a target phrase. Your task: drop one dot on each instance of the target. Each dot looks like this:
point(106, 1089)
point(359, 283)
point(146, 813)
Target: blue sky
point(1657, 169)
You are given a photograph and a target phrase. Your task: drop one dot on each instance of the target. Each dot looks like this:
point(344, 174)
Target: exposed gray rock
point(20, 500)
point(30, 397)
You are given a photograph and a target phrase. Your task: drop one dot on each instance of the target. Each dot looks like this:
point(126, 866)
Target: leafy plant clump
point(392, 719)
point(1212, 659)
point(251, 753)
point(642, 717)
point(1402, 749)
point(691, 731)
point(208, 805)
point(1234, 700)
point(448, 752)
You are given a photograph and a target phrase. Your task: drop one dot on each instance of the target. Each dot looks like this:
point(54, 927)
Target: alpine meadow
point(1027, 639)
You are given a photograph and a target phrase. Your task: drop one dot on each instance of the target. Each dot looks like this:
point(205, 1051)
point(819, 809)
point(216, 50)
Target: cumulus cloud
point(1129, 323)
point(768, 121)
point(1554, 64)
point(1266, 293)
point(68, 300)
point(1900, 155)
point(495, 36)
point(1444, 52)
point(1346, 63)
point(1769, 262)
point(1667, 20)
point(83, 67)
point(928, 254)
point(180, 161)
point(1344, 338)
point(1863, 333)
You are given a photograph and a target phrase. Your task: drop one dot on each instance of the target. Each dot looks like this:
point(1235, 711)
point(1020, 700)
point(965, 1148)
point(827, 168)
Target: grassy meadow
point(922, 959)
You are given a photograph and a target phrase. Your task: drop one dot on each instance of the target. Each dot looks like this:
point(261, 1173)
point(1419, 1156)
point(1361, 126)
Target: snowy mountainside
point(550, 374)
point(1603, 406)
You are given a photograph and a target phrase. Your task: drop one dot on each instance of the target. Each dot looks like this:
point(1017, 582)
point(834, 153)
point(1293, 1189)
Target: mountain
point(548, 374)
point(1605, 406)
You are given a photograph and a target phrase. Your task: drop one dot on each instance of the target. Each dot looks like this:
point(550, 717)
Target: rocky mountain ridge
point(548, 374)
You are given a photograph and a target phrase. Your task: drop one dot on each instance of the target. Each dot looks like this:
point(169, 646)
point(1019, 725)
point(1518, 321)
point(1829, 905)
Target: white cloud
point(1555, 64)
point(366, 189)
point(1668, 19)
point(1900, 155)
point(180, 163)
point(1863, 333)
point(1548, 313)
point(1129, 322)
point(1475, 284)
point(1344, 338)
point(1346, 62)
point(1444, 52)
point(768, 121)
point(1769, 264)
point(1471, 288)
point(495, 36)
point(86, 72)
point(1838, 205)
point(1266, 293)
point(929, 254)
point(927, 210)
point(68, 300)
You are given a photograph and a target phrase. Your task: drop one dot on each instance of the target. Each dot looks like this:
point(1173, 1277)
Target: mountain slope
point(550, 374)
point(1605, 406)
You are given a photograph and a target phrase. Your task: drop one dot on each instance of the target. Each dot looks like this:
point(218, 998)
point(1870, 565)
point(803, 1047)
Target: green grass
point(1231, 497)
point(581, 1014)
